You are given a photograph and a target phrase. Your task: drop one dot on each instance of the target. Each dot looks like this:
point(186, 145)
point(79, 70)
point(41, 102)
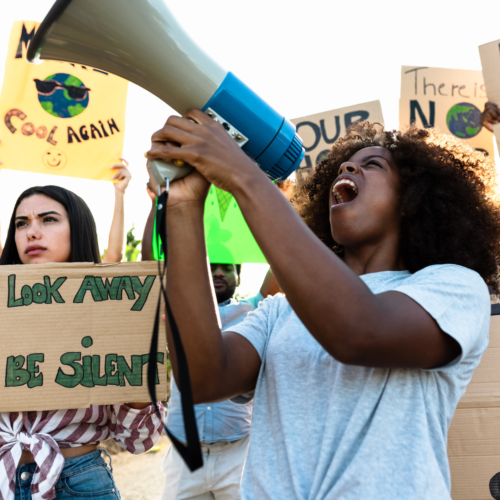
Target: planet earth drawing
point(464, 120)
point(59, 103)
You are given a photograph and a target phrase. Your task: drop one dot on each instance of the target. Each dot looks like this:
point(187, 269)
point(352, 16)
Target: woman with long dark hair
point(53, 454)
point(358, 370)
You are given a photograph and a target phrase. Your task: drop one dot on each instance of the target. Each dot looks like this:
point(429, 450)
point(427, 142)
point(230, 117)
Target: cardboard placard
point(490, 62)
point(48, 126)
point(321, 130)
point(77, 334)
point(451, 100)
point(474, 434)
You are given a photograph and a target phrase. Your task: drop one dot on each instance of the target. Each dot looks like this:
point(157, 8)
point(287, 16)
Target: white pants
point(219, 478)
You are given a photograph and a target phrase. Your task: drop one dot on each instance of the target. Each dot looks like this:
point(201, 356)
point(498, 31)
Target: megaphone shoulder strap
point(190, 452)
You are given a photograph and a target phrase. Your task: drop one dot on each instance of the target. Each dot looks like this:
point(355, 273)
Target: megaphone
point(141, 41)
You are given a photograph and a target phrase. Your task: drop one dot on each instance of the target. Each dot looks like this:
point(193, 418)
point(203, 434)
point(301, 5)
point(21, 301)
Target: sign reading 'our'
point(77, 334)
point(321, 130)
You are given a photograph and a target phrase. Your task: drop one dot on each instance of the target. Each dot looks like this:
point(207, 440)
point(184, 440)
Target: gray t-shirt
point(325, 430)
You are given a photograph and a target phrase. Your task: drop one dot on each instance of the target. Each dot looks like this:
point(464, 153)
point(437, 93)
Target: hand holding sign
point(490, 116)
point(490, 61)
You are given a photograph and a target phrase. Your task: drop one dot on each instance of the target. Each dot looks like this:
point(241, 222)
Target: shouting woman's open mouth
point(344, 191)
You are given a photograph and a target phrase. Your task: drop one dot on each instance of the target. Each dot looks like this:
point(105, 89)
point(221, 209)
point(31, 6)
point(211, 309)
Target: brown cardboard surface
point(484, 388)
point(490, 62)
point(432, 92)
point(474, 434)
point(321, 130)
point(56, 328)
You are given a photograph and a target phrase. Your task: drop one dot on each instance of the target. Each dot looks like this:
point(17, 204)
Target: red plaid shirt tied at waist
point(44, 432)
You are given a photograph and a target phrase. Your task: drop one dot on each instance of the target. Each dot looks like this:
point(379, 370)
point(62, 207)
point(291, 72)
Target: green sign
point(228, 237)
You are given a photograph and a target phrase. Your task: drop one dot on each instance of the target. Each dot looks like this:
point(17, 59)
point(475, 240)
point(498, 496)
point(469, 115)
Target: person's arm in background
point(490, 116)
point(270, 285)
point(114, 253)
point(147, 237)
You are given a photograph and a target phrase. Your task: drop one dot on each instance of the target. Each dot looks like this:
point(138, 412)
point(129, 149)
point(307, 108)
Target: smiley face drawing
point(54, 158)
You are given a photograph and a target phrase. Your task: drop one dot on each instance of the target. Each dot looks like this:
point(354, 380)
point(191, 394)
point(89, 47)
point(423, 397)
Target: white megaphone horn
point(141, 41)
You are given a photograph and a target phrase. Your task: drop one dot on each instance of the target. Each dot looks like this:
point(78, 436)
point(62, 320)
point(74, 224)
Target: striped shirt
point(44, 432)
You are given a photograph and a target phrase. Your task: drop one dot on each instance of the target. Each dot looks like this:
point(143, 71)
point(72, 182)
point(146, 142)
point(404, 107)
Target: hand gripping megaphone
point(141, 41)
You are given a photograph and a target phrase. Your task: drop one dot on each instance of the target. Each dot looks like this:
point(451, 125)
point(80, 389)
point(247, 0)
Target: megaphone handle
point(167, 187)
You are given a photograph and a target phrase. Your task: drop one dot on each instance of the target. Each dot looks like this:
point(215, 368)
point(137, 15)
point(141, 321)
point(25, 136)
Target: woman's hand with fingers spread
point(490, 116)
point(203, 143)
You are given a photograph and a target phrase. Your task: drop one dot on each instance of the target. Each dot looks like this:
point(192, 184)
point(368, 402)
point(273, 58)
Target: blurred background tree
point(131, 250)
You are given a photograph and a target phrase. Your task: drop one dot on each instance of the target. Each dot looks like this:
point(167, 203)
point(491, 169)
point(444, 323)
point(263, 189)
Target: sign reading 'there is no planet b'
point(450, 99)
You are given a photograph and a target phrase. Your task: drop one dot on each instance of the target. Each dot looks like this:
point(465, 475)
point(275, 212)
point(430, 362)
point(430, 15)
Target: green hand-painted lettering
point(111, 369)
point(125, 284)
point(52, 290)
point(96, 371)
point(108, 289)
point(70, 381)
point(13, 302)
point(88, 284)
point(87, 380)
point(134, 375)
point(143, 290)
point(159, 359)
point(33, 369)
point(27, 295)
point(15, 374)
point(39, 293)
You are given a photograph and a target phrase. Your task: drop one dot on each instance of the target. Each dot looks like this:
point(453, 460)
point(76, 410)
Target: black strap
point(191, 453)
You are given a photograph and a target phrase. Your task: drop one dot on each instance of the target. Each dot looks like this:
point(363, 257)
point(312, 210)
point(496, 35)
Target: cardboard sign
point(59, 118)
point(321, 130)
point(77, 334)
point(450, 99)
point(490, 61)
point(474, 435)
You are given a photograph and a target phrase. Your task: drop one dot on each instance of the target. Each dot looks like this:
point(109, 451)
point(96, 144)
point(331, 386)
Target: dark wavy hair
point(448, 198)
point(84, 244)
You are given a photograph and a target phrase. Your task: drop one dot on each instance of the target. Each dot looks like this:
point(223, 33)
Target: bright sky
point(301, 57)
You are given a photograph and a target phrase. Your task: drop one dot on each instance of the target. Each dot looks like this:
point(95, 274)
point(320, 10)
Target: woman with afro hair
point(356, 373)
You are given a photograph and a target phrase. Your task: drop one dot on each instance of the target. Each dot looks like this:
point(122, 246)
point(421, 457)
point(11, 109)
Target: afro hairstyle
point(448, 198)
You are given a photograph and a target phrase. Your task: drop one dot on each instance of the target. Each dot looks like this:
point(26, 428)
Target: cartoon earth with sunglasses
point(62, 95)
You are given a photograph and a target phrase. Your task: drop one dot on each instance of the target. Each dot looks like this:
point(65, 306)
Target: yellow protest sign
point(78, 334)
point(321, 130)
point(450, 99)
point(59, 118)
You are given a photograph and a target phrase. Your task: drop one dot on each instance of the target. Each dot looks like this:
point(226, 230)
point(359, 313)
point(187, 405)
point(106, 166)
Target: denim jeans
point(87, 476)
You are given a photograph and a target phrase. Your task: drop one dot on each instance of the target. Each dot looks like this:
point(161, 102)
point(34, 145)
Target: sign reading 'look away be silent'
point(78, 334)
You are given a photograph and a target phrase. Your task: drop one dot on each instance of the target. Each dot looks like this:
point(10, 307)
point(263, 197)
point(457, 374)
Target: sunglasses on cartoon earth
point(48, 87)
